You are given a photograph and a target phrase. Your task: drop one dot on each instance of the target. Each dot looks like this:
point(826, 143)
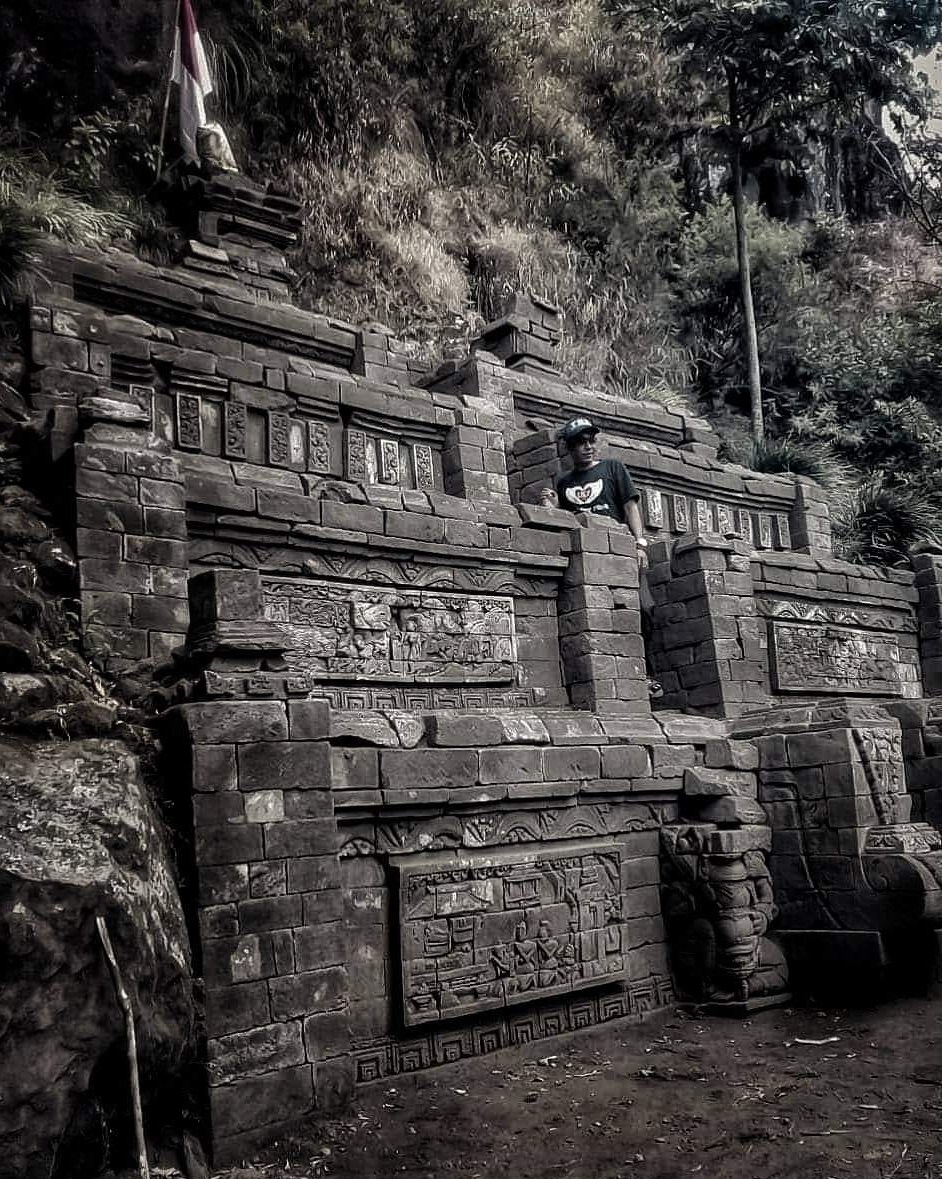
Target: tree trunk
point(750, 335)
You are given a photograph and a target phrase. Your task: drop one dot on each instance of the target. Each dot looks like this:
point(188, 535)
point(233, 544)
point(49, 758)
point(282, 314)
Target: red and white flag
point(191, 73)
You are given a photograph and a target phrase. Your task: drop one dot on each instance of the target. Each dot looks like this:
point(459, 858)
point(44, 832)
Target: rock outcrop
point(80, 837)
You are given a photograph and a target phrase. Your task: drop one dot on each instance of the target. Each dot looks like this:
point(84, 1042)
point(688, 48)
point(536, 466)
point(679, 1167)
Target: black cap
point(575, 428)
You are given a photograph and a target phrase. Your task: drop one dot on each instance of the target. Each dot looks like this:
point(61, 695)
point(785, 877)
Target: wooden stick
point(163, 122)
point(128, 1013)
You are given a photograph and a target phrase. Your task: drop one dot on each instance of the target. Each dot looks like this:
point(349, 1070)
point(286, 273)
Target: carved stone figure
point(718, 909)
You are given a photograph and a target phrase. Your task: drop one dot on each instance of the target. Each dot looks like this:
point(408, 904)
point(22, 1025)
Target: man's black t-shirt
point(603, 489)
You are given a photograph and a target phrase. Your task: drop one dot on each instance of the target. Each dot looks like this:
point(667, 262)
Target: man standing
point(600, 486)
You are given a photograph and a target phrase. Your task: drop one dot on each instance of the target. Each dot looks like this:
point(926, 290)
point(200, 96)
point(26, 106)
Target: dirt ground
point(810, 1093)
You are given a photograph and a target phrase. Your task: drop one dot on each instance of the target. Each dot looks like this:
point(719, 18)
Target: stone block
point(268, 878)
point(523, 730)
point(308, 804)
point(428, 529)
point(728, 810)
point(353, 767)
point(284, 765)
point(161, 493)
point(368, 728)
point(326, 1034)
point(735, 841)
point(267, 913)
point(335, 1082)
point(222, 722)
point(308, 720)
point(286, 1094)
point(325, 905)
point(236, 1008)
point(222, 883)
point(723, 753)
point(312, 873)
point(227, 843)
point(320, 946)
point(246, 958)
point(703, 782)
point(300, 837)
point(815, 749)
point(226, 807)
point(263, 806)
point(258, 1050)
point(626, 761)
point(511, 764)
point(312, 991)
point(568, 763)
point(462, 729)
point(421, 769)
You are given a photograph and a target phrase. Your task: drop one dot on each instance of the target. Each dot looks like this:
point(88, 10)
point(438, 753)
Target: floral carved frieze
point(492, 929)
point(345, 631)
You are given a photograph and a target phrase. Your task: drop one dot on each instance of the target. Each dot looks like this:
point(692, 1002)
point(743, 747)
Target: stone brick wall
point(708, 644)
point(271, 913)
point(130, 537)
point(733, 628)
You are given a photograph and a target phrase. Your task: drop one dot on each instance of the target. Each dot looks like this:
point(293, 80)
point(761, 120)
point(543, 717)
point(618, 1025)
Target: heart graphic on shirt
point(585, 493)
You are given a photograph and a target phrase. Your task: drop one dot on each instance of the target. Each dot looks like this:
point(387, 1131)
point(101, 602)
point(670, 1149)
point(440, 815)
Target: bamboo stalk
point(128, 1013)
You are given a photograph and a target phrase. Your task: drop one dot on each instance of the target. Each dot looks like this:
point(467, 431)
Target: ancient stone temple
point(430, 811)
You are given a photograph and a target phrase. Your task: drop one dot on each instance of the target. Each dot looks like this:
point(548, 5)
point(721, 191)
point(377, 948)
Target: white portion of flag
point(192, 74)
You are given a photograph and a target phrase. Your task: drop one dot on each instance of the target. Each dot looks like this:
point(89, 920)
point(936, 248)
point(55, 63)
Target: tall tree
point(756, 68)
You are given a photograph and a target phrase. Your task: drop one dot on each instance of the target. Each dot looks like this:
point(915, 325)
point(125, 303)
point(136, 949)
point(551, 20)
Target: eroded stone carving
point(832, 659)
point(356, 456)
point(389, 471)
point(424, 468)
point(318, 447)
point(189, 422)
point(807, 610)
point(718, 908)
point(279, 439)
point(489, 930)
point(236, 428)
point(348, 631)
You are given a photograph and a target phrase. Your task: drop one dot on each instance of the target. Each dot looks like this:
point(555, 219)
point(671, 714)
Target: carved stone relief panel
point(355, 465)
point(653, 507)
point(318, 447)
point(339, 630)
point(279, 439)
point(681, 513)
point(389, 466)
point(881, 753)
point(424, 467)
point(810, 658)
point(491, 929)
point(236, 426)
point(189, 422)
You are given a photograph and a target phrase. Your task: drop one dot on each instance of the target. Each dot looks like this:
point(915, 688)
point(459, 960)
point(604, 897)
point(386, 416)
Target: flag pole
point(163, 121)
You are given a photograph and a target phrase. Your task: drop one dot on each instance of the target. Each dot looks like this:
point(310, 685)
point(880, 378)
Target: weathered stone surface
point(81, 839)
point(703, 782)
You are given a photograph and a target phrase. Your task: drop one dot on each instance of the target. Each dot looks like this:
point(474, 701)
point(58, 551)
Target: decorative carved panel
point(811, 659)
point(236, 429)
point(488, 930)
point(389, 469)
point(339, 630)
point(189, 422)
point(279, 439)
point(424, 467)
point(318, 447)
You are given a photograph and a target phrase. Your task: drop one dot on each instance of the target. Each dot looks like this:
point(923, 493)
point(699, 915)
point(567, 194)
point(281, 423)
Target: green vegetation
point(450, 152)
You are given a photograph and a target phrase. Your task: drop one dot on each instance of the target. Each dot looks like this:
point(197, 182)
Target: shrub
point(881, 523)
